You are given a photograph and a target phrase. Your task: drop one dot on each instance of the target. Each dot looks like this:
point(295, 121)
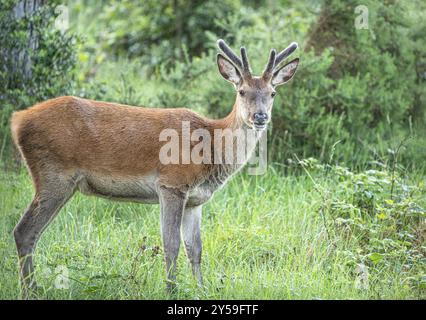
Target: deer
point(111, 150)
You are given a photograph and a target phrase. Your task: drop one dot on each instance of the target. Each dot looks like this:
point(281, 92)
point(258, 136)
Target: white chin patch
point(259, 128)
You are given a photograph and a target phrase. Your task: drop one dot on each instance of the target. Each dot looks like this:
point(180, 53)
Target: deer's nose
point(260, 118)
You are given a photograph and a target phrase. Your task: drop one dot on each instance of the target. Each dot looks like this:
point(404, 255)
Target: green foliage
point(381, 213)
point(153, 31)
point(37, 60)
point(377, 91)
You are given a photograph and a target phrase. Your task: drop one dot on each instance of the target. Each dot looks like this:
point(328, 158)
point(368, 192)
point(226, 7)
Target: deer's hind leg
point(48, 200)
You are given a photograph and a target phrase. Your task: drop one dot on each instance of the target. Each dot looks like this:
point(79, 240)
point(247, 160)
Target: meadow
point(294, 236)
point(340, 212)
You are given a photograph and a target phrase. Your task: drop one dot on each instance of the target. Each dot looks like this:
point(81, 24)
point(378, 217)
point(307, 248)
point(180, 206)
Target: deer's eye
point(242, 92)
point(273, 94)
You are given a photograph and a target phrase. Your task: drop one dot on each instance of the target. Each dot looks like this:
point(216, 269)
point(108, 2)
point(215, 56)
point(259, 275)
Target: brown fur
point(74, 134)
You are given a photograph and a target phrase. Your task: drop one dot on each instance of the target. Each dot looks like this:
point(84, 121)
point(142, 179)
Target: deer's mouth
point(259, 127)
point(255, 125)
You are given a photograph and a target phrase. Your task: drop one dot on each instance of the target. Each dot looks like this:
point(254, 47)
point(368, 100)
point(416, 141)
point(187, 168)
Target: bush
point(377, 91)
point(37, 60)
point(382, 213)
point(155, 32)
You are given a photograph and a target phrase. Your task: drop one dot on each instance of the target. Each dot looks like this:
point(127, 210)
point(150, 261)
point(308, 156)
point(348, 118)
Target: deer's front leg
point(191, 235)
point(172, 203)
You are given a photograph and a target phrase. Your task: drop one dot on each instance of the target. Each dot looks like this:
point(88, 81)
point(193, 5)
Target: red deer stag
point(112, 150)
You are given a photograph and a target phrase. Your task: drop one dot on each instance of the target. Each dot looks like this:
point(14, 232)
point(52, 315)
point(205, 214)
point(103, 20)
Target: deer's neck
point(231, 121)
point(234, 124)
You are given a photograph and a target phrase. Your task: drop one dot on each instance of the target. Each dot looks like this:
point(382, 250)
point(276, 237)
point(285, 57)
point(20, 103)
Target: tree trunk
point(22, 56)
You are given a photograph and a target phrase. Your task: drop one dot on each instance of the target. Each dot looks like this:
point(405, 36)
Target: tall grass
point(264, 237)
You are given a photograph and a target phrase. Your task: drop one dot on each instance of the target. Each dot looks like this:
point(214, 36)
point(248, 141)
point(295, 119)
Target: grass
point(263, 238)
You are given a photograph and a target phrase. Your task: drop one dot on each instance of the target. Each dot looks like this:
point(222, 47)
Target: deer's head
point(255, 94)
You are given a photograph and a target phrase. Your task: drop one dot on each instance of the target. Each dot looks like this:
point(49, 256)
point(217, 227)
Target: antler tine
point(246, 65)
point(271, 64)
point(285, 53)
point(229, 53)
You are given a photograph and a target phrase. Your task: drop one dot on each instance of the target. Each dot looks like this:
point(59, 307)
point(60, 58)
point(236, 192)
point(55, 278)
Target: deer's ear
point(228, 70)
point(285, 73)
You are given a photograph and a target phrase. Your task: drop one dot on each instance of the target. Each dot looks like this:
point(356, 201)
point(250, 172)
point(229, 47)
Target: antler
point(271, 64)
point(285, 53)
point(242, 65)
point(275, 60)
point(246, 65)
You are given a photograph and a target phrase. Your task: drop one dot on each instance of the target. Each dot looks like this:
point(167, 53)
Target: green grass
point(263, 238)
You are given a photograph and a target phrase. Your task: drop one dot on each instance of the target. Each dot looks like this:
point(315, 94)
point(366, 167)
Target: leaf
point(368, 194)
point(381, 216)
point(375, 257)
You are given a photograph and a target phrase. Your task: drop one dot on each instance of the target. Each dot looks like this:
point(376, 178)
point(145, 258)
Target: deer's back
point(89, 135)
